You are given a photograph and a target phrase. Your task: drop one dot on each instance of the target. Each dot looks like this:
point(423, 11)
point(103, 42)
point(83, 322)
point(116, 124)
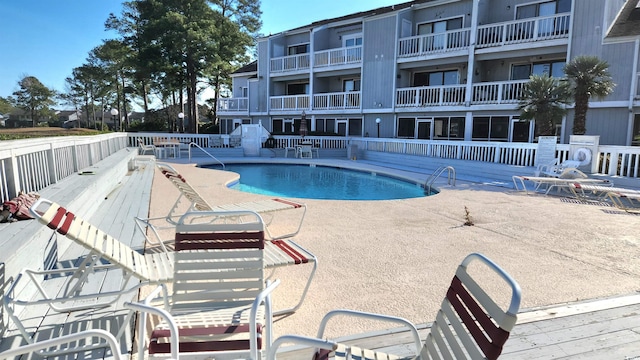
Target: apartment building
point(438, 70)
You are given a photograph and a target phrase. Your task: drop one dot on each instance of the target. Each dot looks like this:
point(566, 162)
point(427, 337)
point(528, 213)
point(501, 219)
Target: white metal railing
point(290, 63)
point(434, 43)
point(522, 31)
point(31, 165)
point(338, 100)
point(498, 92)
point(233, 104)
point(618, 160)
point(341, 56)
point(202, 140)
point(290, 102)
point(431, 96)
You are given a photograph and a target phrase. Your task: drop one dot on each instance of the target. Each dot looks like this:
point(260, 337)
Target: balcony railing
point(290, 63)
point(499, 92)
point(341, 56)
point(430, 96)
point(523, 31)
point(290, 102)
point(233, 104)
point(337, 101)
point(434, 43)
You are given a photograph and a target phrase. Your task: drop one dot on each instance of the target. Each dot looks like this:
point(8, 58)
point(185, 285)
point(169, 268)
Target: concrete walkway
point(398, 256)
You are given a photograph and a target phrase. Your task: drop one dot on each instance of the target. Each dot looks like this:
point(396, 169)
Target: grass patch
point(37, 132)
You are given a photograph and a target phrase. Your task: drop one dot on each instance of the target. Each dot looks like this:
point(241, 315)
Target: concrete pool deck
point(397, 257)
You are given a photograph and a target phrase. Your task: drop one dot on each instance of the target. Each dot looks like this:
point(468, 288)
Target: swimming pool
point(320, 182)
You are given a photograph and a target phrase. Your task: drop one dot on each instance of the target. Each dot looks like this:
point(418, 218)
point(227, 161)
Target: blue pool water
point(320, 182)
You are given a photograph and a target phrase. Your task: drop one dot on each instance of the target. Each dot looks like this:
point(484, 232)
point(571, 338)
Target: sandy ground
point(397, 257)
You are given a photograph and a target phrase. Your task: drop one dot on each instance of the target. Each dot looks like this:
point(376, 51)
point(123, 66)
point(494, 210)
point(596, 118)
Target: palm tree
point(544, 100)
point(588, 76)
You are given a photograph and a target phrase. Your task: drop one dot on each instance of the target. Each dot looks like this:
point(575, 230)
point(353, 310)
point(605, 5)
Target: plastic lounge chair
point(266, 208)
point(144, 149)
point(154, 268)
point(556, 170)
point(552, 182)
point(220, 302)
point(629, 202)
point(137, 269)
point(469, 324)
point(279, 252)
point(584, 191)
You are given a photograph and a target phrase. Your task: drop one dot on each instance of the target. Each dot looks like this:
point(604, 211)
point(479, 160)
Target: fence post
point(3, 282)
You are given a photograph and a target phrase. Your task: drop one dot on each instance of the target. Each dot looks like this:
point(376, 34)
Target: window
point(326, 125)
point(436, 78)
point(297, 89)
point(283, 126)
point(244, 91)
point(523, 71)
point(547, 27)
point(353, 40)
point(351, 85)
point(439, 27)
point(543, 9)
point(635, 141)
point(298, 49)
point(406, 127)
point(491, 128)
point(448, 128)
point(355, 127)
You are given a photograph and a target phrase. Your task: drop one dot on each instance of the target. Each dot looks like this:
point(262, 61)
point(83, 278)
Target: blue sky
point(47, 39)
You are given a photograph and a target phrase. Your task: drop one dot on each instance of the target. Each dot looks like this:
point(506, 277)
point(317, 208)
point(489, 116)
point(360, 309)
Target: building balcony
point(337, 101)
point(337, 57)
point(423, 96)
point(523, 31)
point(434, 43)
point(292, 63)
point(498, 92)
point(290, 102)
point(233, 105)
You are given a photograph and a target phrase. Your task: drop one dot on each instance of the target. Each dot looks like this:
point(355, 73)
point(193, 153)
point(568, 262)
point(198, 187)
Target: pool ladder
point(451, 177)
point(205, 151)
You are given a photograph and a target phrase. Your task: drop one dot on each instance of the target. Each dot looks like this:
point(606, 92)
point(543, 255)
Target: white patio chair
point(469, 325)
point(220, 303)
point(144, 149)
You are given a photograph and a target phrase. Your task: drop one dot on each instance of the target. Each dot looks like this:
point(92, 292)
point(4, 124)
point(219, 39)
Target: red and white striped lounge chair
point(469, 325)
point(220, 302)
point(550, 183)
point(104, 253)
point(581, 190)
point(280, 251)
point(266, 208)
point(627, 201)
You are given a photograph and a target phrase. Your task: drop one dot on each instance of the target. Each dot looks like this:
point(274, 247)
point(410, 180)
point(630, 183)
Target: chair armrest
point(33, 348)
point(300, 340)
point(372, 316)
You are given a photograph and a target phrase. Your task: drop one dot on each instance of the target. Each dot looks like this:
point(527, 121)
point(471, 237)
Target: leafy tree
point(113, 58)
point(142, 56)
point(6, 105)
point(239, 22)
point(588, 76)
point(544, 100)
point(34, 98)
